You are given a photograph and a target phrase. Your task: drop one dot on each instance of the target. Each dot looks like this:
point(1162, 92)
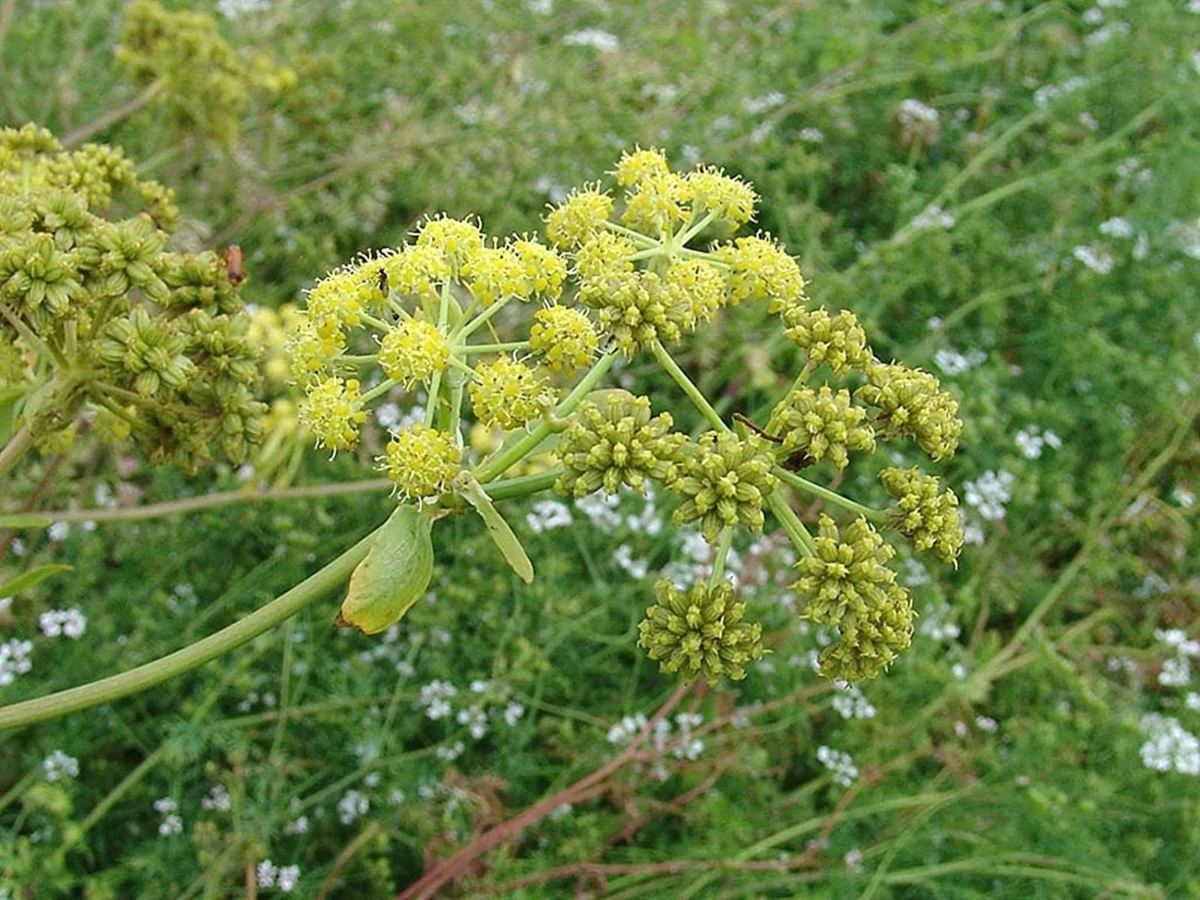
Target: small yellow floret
point(703, 285)
point(507, 393)
point(458, 239)
point(565, 337)
point(413, 351)
point(635, 167)
point(760, 269)
point(578, 217)
point(332, 411)
point(421, 462)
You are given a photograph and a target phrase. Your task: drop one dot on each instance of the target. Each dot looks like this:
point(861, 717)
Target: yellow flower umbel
point(634, 168)
point(457, 239)
point(421, 462)
point(824, 425)
point(724, 484)
point(413, 351)
point(507, 393)
point(494, 273)
point(911, 403)
point(730, 201)
point(565, 337)
point(333, 412)
point(759, 269)
point(579, 217)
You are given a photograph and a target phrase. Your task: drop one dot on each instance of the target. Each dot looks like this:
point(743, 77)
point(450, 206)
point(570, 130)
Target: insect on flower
point(234, 264)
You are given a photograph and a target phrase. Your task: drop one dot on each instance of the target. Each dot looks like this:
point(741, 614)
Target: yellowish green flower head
point(332, 410)
point(422, 461)
point(493, 273)
point(639, 308)
point(724, 483)
point(413, 351)
point(924, 513)
point(508, 393)
point(701, 284)
point(729, 201)
point(701, 632)
point(542, 267)
point(604, 254)
point(565, 337)
point(658, 204)
point(825, 425)
point(614, 442)
point(95, 307)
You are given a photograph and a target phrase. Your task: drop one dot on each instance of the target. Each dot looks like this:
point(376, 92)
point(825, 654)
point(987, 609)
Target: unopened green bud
point(638, 308)
point(724, 484)
point(701, 632)
point(912, 403)
point(824, 425)
point(616, 442)
point(926, 515)
point(838, 341)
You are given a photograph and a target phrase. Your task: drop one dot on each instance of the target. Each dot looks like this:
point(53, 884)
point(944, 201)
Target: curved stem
point(698, 399)
point(113, 116)
point(378, 391)
point(878, 516)
point(511, 488)
point(147, 676)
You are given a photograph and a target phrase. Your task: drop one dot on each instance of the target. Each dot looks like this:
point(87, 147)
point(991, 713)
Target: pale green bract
point(394, 575)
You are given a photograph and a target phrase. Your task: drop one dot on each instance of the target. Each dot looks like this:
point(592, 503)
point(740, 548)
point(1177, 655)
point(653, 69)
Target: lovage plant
point(614, 278)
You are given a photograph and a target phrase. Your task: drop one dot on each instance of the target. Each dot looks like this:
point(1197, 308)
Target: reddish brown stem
point(455, 866)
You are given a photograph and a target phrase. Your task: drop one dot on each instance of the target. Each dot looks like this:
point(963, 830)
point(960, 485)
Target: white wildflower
point(58, 531)
point(14, 660)
point(932, 217)
point(1096, 258)
point(512, 713)
point(763, 103)
point(1117, 227)
point(352, 805)
point(989, 494)
point(839, 763)
point(475, 719)
point(67, 622)
point(435, 699)
point(547, 515)
point(623, 732)
point(849, 702)
point(218, 799)
point(1169, 746)
point(59, 767)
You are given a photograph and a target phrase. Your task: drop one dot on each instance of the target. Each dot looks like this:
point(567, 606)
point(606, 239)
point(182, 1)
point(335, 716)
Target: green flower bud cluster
point(911, 403)
point(724, 483)
point(201, 79)
point(616, 442)
point(924, 513)
point(847, 585)
point(838, 341)
point(638, 308)
point(700, 633)
point(824, 425)
point(95, 312)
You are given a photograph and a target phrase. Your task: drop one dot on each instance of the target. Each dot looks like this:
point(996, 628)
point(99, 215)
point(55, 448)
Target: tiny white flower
point(218, 799)
point(1117, 227)
point(1096, 258)
point(58, 531)
point(839, 763)
point(288, 877)
point(512, 713)
point(352, 805)
point(265, 874)
point(59, 767)
point(986, 723)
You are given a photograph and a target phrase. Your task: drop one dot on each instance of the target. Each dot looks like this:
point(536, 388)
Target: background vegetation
point(1005, 192)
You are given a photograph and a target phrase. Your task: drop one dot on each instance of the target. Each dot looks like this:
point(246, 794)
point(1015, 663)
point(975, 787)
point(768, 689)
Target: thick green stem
point(147, 676)
point(698, 399)
point(461, 335)
point(473, 349)
point(718, 569)
point(507, 458)
point(378, 391)
point(878, 516)
point(15, 449)
point(791, 524)
point(510, 488)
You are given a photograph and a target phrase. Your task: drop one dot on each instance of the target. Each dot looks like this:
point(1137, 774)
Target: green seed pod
point(393, 576)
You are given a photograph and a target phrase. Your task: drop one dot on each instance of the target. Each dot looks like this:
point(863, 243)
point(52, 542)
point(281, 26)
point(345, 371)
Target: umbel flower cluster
point(97, 316)
point(623, 276)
